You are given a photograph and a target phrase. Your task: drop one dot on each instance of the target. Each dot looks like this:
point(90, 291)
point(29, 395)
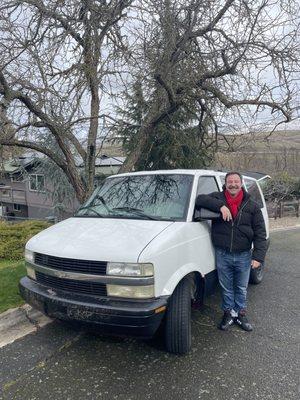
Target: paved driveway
point(62, 363)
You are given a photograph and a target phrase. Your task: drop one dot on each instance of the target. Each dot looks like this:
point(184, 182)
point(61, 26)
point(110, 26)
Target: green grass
point(10, 274)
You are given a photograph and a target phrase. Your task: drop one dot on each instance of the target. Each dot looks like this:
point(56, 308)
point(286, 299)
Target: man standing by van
point(242, 224)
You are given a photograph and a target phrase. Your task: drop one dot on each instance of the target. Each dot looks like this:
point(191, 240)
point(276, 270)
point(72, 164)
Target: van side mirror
point(204, 214)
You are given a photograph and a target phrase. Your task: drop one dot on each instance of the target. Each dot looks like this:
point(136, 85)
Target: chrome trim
point(112, 280)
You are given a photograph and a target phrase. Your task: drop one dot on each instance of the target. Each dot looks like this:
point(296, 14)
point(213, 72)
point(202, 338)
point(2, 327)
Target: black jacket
point(238, 235)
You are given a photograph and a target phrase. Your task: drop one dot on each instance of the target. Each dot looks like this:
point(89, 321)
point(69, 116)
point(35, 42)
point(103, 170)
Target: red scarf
point(234, 202)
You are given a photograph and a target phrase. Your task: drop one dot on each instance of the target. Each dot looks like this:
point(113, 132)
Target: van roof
point(179, 171)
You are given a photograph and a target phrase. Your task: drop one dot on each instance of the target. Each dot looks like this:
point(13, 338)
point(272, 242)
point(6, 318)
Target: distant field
point(271, 154)
point(259, 152)
point(260, 142)
point(277, 141)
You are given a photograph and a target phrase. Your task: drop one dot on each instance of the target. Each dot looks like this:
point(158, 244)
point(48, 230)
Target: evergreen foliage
point(177, 142)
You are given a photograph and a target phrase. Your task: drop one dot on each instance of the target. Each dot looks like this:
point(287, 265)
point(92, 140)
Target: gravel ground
point(284, 222)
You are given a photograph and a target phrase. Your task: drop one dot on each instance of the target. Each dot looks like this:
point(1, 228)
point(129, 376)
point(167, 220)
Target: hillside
point(259, 152)
point(277, 141)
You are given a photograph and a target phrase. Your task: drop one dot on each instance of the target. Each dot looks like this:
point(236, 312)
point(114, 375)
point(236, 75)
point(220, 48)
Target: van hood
point(102, 239)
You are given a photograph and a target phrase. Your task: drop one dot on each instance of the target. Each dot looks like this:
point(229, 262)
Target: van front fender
point(178, 276)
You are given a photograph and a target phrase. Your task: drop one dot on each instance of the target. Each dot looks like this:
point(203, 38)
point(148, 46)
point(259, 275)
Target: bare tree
point(219, 62)
point(56, 61)
point(227, 62)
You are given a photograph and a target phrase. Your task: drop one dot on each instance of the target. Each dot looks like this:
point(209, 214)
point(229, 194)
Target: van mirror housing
point(204, 214)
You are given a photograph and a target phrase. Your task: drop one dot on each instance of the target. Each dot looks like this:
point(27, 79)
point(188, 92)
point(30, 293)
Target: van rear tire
point(178, 337)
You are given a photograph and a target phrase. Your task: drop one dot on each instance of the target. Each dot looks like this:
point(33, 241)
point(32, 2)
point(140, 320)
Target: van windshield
point(154, 197)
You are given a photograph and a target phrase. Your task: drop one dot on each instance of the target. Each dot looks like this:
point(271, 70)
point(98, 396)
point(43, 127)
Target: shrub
point(281, 187)
point(13, 237)
point(296, 189)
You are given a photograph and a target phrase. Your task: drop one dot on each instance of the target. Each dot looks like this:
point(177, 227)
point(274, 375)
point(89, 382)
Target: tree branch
point(209, 27)
point(169, 90)
point(37, 147)
point(232, 103)
point(52, 14)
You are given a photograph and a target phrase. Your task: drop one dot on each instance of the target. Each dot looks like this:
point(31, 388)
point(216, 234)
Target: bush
point(296, 189)
point(281, 187)
point(13, 237)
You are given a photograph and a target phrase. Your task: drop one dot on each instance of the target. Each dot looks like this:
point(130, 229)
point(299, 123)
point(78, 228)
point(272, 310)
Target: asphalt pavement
point(63, 362)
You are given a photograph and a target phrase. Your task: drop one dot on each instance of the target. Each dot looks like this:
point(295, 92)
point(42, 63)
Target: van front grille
point(70, 285)
point(71, 264)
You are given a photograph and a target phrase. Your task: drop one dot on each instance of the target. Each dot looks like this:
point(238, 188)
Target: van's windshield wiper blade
point(104, 203)
point(89, 208)
point(135, 211)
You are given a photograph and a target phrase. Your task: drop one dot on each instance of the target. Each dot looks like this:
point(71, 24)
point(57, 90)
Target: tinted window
point(207, 184)
point(253, 190)
point(164, 197)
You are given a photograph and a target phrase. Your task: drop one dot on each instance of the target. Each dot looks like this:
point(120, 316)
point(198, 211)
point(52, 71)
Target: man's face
point(233, 184)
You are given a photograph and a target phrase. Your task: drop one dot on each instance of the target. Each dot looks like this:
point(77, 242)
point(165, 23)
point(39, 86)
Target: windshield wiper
point(89, 208)
point(136, 211)
point(104, 203)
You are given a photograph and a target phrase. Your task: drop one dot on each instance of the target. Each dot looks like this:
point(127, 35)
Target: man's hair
point(233, 173)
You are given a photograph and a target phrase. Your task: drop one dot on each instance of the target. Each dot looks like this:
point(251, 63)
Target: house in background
point(24, 193)
point(105, 166)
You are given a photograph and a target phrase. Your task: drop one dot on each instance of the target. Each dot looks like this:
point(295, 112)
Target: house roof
point(103, 161)
point(106, 160)
point(14, 165)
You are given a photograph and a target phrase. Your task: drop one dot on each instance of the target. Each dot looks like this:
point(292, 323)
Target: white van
point(134, 256)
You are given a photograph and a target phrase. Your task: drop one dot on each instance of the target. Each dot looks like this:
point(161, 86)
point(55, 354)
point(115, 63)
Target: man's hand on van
point(255, 264)
point(226, 214)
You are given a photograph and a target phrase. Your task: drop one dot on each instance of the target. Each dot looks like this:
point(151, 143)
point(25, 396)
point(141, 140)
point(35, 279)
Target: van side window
point(207, 184)
point(253, 190)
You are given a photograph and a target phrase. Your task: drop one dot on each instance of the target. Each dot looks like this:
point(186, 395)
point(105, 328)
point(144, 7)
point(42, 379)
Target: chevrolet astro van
point(134, 257)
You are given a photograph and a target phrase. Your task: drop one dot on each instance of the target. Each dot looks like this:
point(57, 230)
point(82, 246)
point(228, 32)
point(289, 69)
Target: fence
point(13, 219)
point(281, 209)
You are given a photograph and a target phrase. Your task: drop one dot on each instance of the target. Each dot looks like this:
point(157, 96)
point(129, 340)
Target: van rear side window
point(253, 190)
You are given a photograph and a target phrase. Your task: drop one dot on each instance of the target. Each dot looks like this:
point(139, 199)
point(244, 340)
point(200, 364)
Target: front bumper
point(120, 317)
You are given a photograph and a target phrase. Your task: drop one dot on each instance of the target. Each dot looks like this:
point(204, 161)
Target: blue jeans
point(233, 273)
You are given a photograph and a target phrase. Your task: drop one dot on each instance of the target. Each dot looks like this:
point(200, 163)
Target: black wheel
point(256, 275)
point(178, 320)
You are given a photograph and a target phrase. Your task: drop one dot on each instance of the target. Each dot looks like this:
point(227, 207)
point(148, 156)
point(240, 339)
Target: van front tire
point(178, 336)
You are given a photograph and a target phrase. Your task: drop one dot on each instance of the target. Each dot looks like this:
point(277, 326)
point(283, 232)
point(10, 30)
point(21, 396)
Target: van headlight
point(31, 273)
point(29, 256)
point(133, 292)
point(130, 269)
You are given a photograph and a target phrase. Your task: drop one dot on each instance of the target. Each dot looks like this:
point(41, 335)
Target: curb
point(14, 316)
point(18, 322)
